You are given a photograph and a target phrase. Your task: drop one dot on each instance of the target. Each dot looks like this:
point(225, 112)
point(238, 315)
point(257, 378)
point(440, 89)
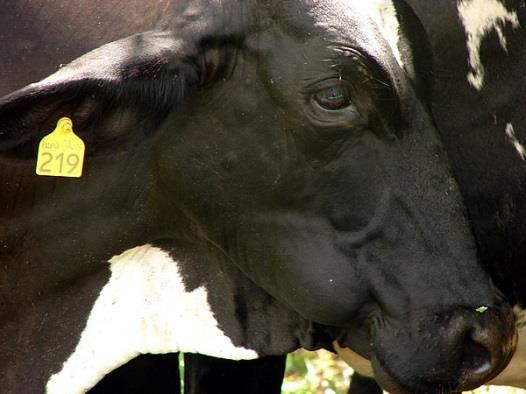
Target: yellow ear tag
point(61, 152)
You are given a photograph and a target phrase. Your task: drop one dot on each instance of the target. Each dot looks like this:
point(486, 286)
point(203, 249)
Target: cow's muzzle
point(449, 352)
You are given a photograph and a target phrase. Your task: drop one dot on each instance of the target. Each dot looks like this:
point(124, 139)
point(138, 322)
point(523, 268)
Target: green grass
point(318, 372)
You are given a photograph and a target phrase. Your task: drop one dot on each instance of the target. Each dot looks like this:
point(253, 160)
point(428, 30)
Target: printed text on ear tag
point(61, 152)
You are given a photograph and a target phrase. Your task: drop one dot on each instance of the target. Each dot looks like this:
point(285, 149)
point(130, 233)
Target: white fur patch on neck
point(515, 372)
point(479, 18)
point(144, 308)
point(510, 133)
point(384, 15)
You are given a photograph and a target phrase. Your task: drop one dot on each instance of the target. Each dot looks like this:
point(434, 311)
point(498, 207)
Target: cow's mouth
point(475, 371)
point(463, 353)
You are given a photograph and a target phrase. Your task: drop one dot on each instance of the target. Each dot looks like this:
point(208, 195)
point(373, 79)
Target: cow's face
point(294, 142)
point(316, 169)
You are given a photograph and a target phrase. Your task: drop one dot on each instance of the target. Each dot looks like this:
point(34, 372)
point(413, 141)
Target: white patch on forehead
point(383, 13)
point(144, 308)
point(510, 133)
point(479, 18)
point(514, 374)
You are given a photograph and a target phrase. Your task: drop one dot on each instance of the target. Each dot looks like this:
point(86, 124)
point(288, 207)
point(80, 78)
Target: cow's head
point(292, 138)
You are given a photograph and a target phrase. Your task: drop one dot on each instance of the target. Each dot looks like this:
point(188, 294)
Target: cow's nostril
point(476, 361)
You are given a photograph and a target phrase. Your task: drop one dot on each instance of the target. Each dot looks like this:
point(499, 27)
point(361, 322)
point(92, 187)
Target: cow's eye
point(333, 98)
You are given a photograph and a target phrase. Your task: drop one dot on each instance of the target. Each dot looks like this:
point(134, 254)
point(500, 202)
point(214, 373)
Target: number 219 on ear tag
point(61, 152)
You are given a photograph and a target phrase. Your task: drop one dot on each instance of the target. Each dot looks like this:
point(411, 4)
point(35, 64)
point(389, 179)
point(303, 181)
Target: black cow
point(260, 176)
point(478, 104)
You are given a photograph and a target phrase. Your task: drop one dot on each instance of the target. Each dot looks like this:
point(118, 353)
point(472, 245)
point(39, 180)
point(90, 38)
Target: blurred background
point(323, 372)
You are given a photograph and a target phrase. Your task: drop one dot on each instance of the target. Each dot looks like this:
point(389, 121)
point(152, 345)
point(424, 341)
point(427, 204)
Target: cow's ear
point(115, 95)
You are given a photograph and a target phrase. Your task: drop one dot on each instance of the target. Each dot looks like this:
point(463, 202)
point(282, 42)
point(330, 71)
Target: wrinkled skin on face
point(290, 141)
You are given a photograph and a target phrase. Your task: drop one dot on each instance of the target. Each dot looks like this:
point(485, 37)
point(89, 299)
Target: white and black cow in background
point(260, 176)
point(479, 103)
